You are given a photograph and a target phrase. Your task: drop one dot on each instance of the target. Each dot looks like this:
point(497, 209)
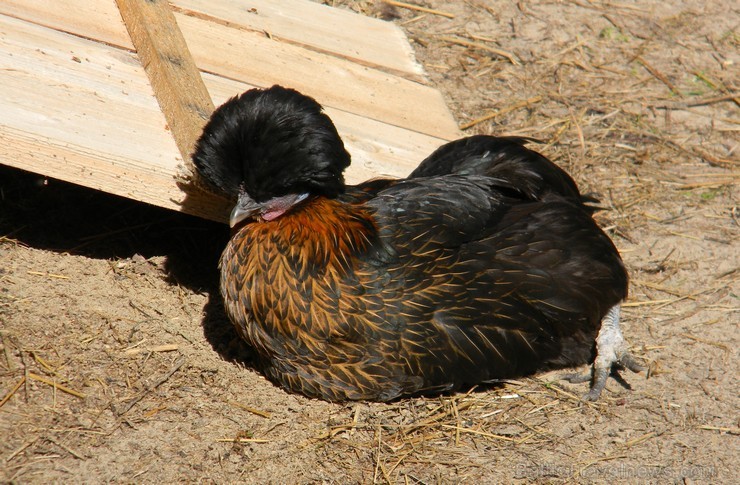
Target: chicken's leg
point(611, 350)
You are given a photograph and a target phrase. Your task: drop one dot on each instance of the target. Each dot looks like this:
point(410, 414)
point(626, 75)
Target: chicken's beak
point(245, 208)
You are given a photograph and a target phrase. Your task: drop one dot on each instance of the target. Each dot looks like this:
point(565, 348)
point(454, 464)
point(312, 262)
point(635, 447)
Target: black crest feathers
point(270, 142)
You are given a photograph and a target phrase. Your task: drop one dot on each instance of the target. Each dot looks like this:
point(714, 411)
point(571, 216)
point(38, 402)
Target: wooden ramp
point(77, 104)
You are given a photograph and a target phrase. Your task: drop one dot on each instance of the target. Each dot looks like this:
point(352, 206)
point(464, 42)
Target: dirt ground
point(118, 364)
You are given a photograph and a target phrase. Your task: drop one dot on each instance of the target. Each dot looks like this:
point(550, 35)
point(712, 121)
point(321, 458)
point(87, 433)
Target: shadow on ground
point(53, 215)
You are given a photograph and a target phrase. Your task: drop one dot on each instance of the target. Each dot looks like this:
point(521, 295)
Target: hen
point(483, 264)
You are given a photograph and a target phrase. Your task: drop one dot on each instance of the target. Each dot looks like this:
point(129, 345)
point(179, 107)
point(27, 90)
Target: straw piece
point(13, 391)
point(156, 348)
point(242, 440)
point(418, 8)
point(478, 45)
point(55, 385)
point(501, 112)
point(258, 412)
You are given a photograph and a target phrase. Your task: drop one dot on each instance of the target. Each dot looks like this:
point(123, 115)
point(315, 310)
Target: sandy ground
point(117, 363)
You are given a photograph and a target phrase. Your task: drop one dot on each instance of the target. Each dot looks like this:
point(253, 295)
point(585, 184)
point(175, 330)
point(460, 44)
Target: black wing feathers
point(505, 159)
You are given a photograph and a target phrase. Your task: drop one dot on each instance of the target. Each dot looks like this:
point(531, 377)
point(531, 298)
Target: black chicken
point(483, 264)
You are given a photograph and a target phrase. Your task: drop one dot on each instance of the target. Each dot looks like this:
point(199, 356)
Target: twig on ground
point(658, 75)
point(124, 408)
point(478, 45)
point(501, 112)
point(419, 8)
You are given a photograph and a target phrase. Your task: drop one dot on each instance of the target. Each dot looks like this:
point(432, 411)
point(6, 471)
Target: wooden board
point(78, 106)
point(84, 112)
point(337, 32)
point(173, 75)
point(319, 27)
point(255, 58)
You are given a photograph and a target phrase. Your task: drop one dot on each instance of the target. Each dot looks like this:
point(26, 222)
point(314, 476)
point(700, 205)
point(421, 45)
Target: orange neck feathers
point(322, 232)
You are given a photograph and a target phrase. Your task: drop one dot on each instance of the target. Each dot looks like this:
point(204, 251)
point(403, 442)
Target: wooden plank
point(100, 21)
point(333, 31)
point(103, 171)
point(333, 81)
point(361, 39)
point(64, 87)
point(172, 72)
point(84, 112)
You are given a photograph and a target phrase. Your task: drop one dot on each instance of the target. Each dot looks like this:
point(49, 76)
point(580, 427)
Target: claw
point(611, 354)
point(577, 377)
